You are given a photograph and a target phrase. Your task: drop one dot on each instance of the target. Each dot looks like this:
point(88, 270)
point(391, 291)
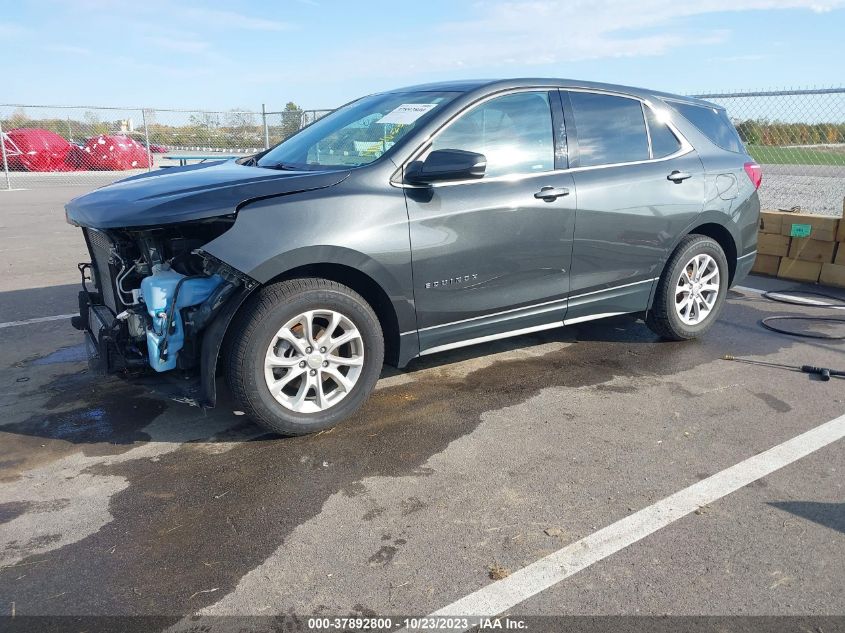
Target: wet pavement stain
point(369, 515)
point(411, 505)
point(383, 556)
point(81, 413)
point(72, 354)
point(13, 509)
point(33, 543)
point(775, 403)
point(70, 386)
point(194, 519)
point(84, 425)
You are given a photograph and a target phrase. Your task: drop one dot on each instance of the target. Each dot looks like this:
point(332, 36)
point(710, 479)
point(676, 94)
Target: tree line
point(764, 132)
point(232, 129)
point(237, 128)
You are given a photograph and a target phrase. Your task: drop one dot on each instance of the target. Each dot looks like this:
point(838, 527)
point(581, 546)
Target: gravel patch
point(815, 188)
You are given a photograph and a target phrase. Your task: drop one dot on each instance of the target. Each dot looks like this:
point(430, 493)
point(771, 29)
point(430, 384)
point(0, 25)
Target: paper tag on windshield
point(406, 113)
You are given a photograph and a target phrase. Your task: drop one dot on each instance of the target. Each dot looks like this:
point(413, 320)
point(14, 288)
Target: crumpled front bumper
point(97, 323)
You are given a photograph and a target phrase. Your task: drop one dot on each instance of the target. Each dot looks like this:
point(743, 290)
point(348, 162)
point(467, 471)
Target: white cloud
point(69, 49)
point(179, 45)
point(530, 35)
point(166, 15)
point(216, 18)
point(518, 31)
point(150, 69)
point(750, 57)
point(9, 31)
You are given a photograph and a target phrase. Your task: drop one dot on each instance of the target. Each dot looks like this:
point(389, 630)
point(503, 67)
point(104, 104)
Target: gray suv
point(411, 222)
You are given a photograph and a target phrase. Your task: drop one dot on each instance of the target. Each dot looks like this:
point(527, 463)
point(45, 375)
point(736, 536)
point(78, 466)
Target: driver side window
point(514, 132)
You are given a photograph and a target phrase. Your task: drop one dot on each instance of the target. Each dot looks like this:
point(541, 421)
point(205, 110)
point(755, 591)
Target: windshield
point(358, 133)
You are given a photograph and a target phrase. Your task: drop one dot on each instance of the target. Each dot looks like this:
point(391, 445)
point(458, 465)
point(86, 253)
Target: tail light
point(755, 173)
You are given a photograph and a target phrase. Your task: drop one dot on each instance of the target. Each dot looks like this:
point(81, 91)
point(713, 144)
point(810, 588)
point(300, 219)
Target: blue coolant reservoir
point(157, 293)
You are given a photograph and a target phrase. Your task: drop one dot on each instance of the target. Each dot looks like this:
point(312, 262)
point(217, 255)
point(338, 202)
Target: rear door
point(489, 257)
point(640, 184)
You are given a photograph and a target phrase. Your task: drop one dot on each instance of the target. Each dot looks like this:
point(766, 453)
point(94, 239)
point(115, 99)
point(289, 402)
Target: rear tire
point(304, 355)
point(691, 290)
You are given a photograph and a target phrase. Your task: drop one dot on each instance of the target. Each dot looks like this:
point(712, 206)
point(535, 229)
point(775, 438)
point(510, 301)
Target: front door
point(490, 257)
point(639, 186)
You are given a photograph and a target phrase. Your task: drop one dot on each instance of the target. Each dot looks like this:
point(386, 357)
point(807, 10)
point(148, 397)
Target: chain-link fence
point(797, 135)
point(92, 146)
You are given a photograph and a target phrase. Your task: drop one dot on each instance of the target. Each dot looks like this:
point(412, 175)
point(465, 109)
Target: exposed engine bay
point(149, 294)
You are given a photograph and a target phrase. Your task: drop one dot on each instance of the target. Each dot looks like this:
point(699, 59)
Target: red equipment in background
point(34, 149)
point(109, 153)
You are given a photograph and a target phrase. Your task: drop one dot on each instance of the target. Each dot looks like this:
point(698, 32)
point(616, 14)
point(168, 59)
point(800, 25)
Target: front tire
point(304, 355)
point(691, 290)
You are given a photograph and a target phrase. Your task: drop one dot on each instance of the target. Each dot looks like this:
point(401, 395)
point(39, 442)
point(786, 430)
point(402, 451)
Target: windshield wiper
point(282, 166)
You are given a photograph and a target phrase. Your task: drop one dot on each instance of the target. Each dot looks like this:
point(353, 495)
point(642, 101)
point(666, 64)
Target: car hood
point(183, 194)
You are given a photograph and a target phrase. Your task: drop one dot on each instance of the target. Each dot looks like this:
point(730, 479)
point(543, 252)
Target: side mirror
point(447, 164)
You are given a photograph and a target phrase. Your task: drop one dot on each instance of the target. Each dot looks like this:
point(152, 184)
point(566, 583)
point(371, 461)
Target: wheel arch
point(708, 227)
point(391, 298)
point(391, 301)
point(722, 236)
point(364, 285)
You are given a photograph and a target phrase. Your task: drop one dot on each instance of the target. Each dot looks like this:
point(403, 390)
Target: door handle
point(550, 194)
point(679, 176)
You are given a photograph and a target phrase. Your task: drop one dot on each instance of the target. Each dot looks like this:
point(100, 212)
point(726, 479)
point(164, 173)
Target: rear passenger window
point(713, 123)
point(663, 140)
point(610, 129)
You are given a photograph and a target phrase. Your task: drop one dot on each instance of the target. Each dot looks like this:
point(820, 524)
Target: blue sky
point(320, 53)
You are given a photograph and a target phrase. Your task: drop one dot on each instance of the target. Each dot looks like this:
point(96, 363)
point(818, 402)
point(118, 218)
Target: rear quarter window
point(610, 129)
point(663, 140)
point(713, 123)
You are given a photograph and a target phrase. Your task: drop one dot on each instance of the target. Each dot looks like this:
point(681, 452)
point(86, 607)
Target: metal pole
point(266, 130)
point(69, 131)
point(147, 138)
point(5, 160)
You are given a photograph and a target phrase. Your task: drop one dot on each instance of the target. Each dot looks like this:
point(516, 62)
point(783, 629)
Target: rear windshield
point(713, 123)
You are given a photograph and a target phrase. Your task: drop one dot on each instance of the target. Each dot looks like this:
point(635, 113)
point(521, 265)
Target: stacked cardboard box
point(834, 274)
point(803, 247)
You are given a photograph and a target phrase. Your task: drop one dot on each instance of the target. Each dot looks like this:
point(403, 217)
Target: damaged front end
point(149, 302)
point(153, 303)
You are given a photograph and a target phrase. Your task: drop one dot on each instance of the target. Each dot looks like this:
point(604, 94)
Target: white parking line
point(502, 595)
point(57, 317)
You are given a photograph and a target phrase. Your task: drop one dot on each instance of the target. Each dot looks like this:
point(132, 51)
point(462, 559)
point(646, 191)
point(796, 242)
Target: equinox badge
point(452, 281)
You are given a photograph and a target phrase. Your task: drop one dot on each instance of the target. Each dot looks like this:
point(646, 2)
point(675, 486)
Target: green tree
point(749, 132)
point(291, 120)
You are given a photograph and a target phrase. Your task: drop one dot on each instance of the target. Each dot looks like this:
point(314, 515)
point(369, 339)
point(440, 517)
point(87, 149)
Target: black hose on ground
point(783, 296)
point(789, 296)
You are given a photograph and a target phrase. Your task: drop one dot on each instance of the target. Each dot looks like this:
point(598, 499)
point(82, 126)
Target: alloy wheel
point(697, 289)
point(314, 361)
